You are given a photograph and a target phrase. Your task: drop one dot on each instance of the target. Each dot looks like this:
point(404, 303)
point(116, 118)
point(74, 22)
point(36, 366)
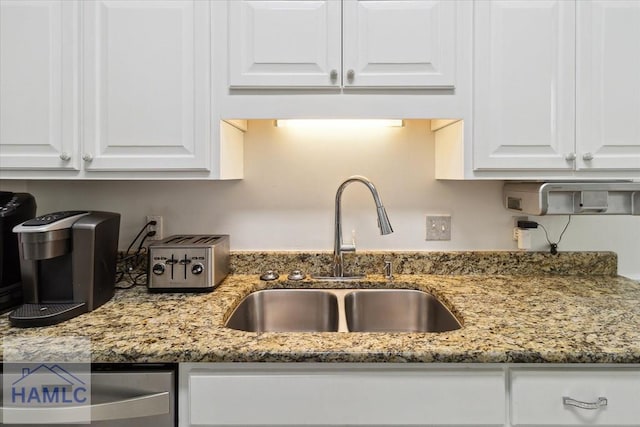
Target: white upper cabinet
point(146, 90)
point(556, 93)
point(399, 43)
point(284, 43)
point(608, 85)
point(524, 84)
point(349, 43)
point(39, 85)
point(111, 89)
point(350, 59)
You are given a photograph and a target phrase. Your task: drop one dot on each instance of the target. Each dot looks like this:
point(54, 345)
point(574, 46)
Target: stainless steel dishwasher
point(123, 395)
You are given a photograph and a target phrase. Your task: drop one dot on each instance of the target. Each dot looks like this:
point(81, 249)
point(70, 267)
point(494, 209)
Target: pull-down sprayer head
point(383, 221)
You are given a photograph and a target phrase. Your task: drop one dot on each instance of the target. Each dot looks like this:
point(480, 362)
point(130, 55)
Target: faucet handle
point(388, 270)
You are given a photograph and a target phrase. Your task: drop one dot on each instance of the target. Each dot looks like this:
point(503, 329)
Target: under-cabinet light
point(339, 123)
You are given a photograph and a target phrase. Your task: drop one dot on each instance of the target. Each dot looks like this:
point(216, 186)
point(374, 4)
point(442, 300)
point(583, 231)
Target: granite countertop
point(532, 317)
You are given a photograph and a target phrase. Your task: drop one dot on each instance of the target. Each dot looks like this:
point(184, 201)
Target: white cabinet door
point(399, 43)
point(599, 397)
point(350, 43)
point(524, 91)
point(146, 85)
point(335, 394)
point(289, 43)
point(608, 85)
point(39, 85)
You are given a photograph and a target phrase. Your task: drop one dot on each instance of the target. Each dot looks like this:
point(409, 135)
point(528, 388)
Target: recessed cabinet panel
point(146, 85)
point(38, 85)
point(524, 85)
point(339, 396)
point(608, 85)
point(284, 43)
point(400, 43)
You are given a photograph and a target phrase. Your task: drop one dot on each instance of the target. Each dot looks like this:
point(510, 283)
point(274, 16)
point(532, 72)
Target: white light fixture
point(338, 123)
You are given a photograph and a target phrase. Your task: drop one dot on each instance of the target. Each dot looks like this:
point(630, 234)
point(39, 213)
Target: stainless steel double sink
point(342, 310)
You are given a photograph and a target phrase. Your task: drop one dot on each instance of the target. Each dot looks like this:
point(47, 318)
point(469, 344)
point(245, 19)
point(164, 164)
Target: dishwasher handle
point(600, 403)
point(134, 407)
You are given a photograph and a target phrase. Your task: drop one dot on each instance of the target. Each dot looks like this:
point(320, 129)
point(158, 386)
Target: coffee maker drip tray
point(31, 315)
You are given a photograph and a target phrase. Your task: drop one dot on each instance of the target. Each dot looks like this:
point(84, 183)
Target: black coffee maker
point(14, 209)
point(68, 265)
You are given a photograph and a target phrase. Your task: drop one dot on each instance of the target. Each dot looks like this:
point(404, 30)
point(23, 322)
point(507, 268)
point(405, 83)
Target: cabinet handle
point(333, 75)
point(87, 157)
point(570, 157)
point(587, 157)
point(601, 403)
point(65, 156)
point(350, 75)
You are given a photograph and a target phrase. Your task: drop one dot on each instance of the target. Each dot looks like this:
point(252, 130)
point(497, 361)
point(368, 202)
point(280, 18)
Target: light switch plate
point(438, 227)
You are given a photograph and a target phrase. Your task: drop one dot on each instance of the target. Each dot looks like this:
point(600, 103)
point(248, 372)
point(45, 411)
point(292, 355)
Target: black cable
point(134, 280)
point(149, 234)
point(144, 227)
point(131, 267)
point(553, 247)
point(126, 287)
point(127, 266)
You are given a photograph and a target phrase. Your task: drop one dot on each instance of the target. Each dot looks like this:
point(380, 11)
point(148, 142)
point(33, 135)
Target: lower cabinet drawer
point(558, 397)
point(347, 397)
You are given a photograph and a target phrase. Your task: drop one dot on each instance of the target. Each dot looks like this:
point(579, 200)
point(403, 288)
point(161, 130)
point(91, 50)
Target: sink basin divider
point(342, 312)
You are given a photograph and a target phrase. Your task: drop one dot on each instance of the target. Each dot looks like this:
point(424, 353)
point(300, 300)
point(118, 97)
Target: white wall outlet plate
point(438, 227)
point(157, 227)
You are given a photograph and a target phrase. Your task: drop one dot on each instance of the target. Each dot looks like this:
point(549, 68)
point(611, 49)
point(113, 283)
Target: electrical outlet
point(438, 227)
point(515, 225)
point(157, 228)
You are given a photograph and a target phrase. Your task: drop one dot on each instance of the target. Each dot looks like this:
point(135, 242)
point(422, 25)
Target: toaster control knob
point(197, 268)
point(158, 268)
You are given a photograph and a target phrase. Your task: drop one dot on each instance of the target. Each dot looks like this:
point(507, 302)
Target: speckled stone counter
point(447, 263)
point(506, 318)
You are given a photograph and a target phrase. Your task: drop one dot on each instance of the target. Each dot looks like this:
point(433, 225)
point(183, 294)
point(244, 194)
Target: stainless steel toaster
point(188, 263)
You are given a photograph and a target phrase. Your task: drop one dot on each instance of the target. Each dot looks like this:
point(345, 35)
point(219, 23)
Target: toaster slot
point(205, 240)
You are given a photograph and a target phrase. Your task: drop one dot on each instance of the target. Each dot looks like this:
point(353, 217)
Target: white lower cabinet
point(507, 395)
point(339, 394)
point(575, 397)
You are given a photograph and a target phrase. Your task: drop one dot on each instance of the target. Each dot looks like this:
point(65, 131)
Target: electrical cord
point(131, 262)
point(144, 227)
point(131, 270)
point(553, 247)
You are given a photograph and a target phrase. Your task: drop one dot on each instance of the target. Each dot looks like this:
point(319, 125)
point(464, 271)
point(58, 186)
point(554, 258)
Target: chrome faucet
point(338, 246)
